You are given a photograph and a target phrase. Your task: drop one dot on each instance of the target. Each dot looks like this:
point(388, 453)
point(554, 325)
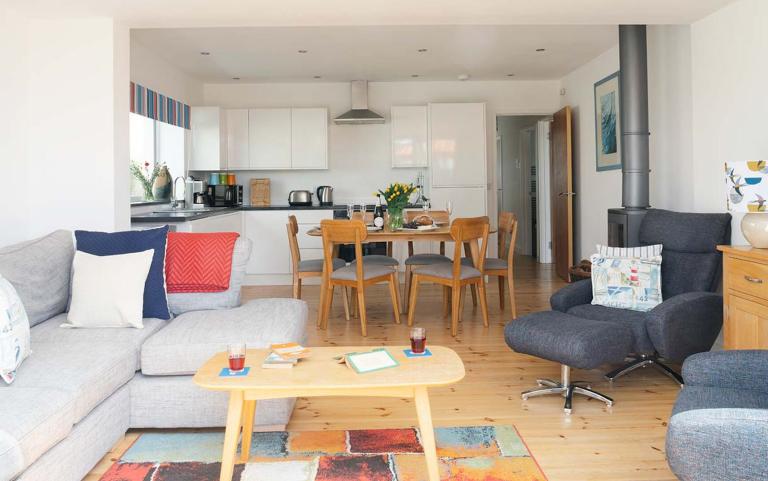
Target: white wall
point(69, 141)
point(729, 98)
point(596, 192)
point(359, 161)
point(155, 72)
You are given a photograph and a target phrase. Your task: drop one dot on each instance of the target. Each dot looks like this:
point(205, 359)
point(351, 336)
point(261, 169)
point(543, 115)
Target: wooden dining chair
point(503, 267)
point(358, 275)
point(418, 260)
point(303, 269)
point(457, 275)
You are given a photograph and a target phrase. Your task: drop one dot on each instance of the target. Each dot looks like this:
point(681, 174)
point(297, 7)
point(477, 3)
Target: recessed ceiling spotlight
point(463, 77)
point(205, 53)
point(510, 75)
point(235, 78)
point(541, 49)
point(421, 50)
point(414, 75)
point(302, 51)
point(317, 76)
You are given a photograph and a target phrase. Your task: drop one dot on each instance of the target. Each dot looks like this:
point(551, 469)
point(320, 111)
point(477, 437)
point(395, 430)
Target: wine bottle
point(378, 214)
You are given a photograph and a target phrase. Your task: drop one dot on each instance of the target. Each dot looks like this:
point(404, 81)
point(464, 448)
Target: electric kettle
point(325, 195)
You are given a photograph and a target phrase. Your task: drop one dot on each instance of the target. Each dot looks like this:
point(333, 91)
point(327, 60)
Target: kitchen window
point(153, 143)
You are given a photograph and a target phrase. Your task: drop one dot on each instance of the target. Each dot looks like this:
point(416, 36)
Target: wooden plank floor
point(625, 442)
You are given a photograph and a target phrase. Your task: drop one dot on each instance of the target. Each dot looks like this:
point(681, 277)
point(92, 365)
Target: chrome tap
point(174, 199)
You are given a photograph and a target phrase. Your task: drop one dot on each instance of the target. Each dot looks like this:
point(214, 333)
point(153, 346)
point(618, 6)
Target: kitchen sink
point(187, 211)
point(177, 213)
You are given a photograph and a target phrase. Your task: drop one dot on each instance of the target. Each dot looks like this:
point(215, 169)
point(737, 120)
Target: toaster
point(300, 198)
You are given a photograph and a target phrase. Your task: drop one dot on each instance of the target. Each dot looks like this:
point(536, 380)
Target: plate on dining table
point(421, 228)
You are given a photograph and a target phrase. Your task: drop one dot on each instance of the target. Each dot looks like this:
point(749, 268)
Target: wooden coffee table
point(321, 375)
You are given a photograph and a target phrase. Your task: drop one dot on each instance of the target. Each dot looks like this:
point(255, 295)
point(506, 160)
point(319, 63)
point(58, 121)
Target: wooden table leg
point(232, 433)
point(249, 411)
point(427, 432)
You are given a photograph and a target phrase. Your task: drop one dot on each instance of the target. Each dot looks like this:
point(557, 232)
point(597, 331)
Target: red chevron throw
point(199, 262)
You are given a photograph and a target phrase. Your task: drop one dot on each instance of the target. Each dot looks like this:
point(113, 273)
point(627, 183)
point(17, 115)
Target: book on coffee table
point(290, 350)
point(274, 361)
point(376, 360)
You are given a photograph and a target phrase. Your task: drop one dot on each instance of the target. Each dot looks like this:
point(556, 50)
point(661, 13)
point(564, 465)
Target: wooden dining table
point(441, 233)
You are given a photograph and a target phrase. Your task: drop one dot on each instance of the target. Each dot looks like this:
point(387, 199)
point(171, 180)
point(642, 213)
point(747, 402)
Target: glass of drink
point(449, 207)
point(350, 209)
point(418, 340)
point(236, 354)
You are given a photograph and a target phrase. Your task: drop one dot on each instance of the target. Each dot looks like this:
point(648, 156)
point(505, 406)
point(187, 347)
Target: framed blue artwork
point(607, 123)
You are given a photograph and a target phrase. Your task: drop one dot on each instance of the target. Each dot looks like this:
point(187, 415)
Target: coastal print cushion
point(108, 291)
point(114, 243)
point(642, 252)
point(626, 282)
point(14, 331)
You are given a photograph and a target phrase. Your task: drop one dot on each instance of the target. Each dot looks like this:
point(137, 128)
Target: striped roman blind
point(157, 106)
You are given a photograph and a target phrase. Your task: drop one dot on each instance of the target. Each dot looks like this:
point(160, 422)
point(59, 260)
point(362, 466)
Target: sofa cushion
point(180, 303)
point(39, 270)
point(120, 338)
point(706, 397)
point(130, 242)
point(634, 320)
point(192, 338)
point(33, 420)
point(89, 373)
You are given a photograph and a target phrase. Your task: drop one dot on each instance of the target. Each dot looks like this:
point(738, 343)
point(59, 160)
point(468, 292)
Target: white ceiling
point(271, 54)
point(210, 13)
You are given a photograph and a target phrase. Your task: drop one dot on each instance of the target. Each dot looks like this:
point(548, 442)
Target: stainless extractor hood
point(360, 114)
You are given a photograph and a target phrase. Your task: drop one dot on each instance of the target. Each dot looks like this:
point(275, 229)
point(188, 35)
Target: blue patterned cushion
point(128, 242)
point(626, 283)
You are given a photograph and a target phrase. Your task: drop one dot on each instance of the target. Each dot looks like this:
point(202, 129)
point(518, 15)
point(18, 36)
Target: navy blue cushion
point(128, 242)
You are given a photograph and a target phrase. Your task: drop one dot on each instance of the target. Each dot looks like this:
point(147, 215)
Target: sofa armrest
point(746, 369)
point(685, 324)
point(576, 294)
point(719, 444)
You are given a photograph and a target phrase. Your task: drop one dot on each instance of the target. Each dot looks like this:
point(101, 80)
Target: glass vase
point(394, 218)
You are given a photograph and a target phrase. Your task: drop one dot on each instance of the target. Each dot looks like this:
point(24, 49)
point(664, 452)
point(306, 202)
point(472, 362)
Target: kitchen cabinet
point(209, 139)
point(309, 138)
point(237, 139)
point(409, 132)
point(270, 261)
point(219, 223)
point(269, 138)
point(457, 149)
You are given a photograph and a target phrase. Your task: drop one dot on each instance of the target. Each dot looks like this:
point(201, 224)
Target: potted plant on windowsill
point(146, 177)
point(396, 195)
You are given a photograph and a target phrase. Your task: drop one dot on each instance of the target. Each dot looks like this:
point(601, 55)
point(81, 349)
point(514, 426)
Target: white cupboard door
point(268, 234)
point(457, 144)
point(218, 223)
point(409, 136)
point(269, 138)
point(237, 139)
point(207, 126)
point(309, 138)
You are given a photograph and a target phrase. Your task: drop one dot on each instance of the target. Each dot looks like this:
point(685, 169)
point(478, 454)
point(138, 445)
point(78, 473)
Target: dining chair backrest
point(367, 217)
point(293, 242)
point(343, 232)
point(507, 235)
point(470, 230)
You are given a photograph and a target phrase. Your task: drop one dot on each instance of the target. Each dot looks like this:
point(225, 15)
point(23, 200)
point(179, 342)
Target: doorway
point(522, 173)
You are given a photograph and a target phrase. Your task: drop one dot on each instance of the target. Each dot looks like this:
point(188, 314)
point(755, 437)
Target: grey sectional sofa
point(82, 389)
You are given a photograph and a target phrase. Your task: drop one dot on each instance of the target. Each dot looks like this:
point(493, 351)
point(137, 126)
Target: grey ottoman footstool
point(573, 342)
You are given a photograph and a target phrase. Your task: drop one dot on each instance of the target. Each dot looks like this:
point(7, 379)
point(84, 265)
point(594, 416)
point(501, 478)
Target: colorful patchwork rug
point(480, 453)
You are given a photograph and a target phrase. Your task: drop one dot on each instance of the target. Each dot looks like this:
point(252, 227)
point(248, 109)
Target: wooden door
point(562, 192)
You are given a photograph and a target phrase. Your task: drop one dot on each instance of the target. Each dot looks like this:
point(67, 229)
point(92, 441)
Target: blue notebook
point(225, 372)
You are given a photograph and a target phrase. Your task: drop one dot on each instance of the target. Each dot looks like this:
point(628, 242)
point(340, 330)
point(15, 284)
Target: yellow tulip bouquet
point(396, 195)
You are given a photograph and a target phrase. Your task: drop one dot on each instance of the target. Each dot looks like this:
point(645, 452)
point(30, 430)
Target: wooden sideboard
point(745, 297)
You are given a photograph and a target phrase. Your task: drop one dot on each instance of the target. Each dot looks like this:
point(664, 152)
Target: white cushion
point(14, 331)
point(108, 291)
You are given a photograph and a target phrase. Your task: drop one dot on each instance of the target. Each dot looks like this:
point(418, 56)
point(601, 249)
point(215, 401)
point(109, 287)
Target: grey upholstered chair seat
point(491, 263)
point(445, 270)
point(316, 265)
point(719, 425)
point(635, 321)
point(379, 260)
point(426, 259)
point(560, 337)
point(370, 271)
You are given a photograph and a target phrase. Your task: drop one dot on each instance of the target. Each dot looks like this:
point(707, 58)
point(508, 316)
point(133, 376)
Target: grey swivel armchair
point(689, 319)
